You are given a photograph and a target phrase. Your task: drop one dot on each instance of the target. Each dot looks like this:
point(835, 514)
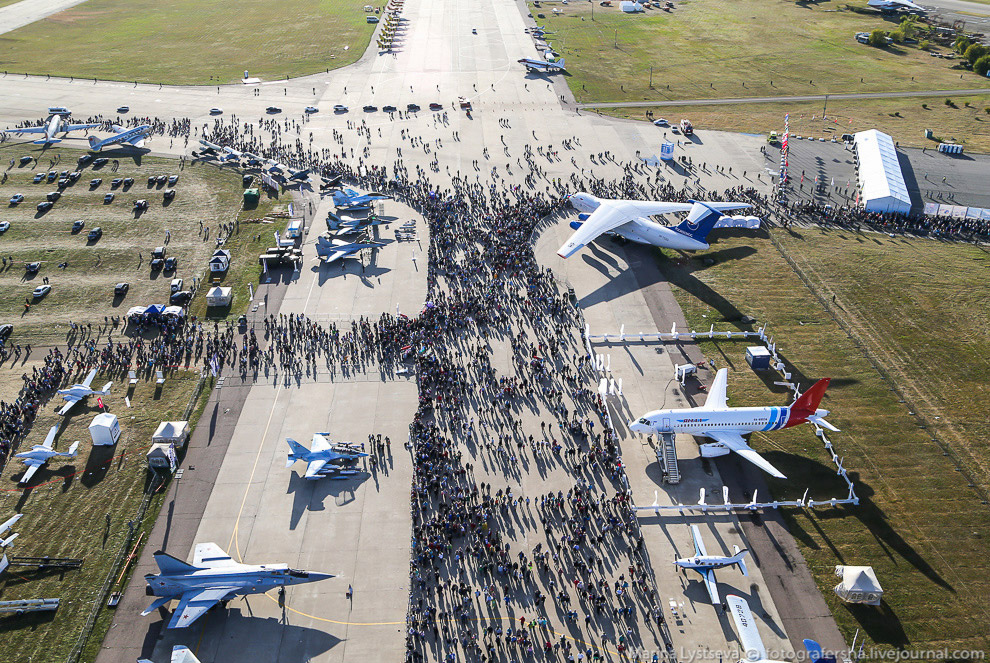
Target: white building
point(881, 183)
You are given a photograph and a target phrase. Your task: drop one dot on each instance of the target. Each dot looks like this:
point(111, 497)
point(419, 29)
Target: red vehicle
point(686, 127)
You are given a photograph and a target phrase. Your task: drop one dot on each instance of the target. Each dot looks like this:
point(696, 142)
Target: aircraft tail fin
point(297, 452)
point(815, 652)
point(741, 561)
point(106, 388)
point(94, 143)
point(700, 221)
point(73, 448)
point(171, 565)
point(807, 403)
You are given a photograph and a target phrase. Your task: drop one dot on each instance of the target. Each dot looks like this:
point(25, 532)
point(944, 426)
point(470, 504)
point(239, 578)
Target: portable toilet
point(252, 197)
point(758, 357)
point(105, 429)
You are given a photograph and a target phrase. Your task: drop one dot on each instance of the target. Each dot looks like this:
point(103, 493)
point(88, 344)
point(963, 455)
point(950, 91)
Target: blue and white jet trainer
point(55, 125)
point(324, 457)
point(706, 564)
point(214, 577)
point(77, 392)
point(134, 136)
point(727, 425)
point(39, 454)
point(627, 218)
point(349, 199)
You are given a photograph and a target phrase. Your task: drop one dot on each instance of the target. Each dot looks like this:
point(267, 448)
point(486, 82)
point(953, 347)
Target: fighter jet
point(134, 136)
point(349, 199)
point(77, 392)
point(706, 564)
point(39, 454)
point(627, 219)
point(551, 64)
point(55, 124)
point(324, 457)
point(329, 251)
point(347, 226)
point(727, 425)
point(8, 542)
point(180, 654)
point(213, 578)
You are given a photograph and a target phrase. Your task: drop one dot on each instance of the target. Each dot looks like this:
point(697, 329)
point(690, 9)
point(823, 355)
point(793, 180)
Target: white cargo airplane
point(134, 136)
point(626, 218)
point(180, 654)
point(8, 542)
point(727, 425)
point(54, 126)
point(77, 392)
point(39, 454)
point(706, 564)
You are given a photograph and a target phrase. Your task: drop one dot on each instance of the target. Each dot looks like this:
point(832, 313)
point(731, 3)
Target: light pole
point(651, 78)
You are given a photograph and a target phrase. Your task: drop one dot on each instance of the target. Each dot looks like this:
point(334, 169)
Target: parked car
point(52, 176)
point(312, 109)
point(99, 163)
point(52, 196)
point(172, 179)
point(128, 182)
point(175, 285)
point(169, 194)
point(436, 106)
point(41, 291)
point(16, 199)
point(84, 159)
point(370, 109)
point(94, 235)
point(78, 225)
point(95, 182)
point(171, 263)
point(216, 111)
point(340, 108)
point(273, 109)
point(44, 207)
point(123, 109)
point(4, 226)
point(116, 182)
point(388, 109)
point(140, 205)
point(180, 298)
point(121, 289)
point(412, 107)
point(107, 199)
point(661, 122)
point(32, 267)
point(6, 331)
point(38, 177)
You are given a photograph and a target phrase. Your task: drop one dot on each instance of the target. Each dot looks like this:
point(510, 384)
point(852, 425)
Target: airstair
point(667, 456)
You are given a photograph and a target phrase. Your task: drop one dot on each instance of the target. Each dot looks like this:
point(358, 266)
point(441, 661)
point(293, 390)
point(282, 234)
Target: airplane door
point(666, 424)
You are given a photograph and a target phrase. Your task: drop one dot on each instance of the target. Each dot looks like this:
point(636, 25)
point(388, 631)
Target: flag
point(99, 401)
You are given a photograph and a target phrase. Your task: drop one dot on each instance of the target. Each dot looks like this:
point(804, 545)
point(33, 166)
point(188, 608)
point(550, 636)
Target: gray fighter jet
point(212, 578)
point(330, 251)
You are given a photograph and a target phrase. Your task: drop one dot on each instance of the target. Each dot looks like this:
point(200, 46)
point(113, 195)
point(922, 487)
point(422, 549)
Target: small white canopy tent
point(219, 296)
point(176, 432)
point(859, 585)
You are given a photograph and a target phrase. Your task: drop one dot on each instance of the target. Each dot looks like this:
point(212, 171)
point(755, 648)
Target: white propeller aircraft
point(8, 542)
point(77, 392)
point(627, 218)
point(39, 454)
point(180, 654)
point(56, 124)
point(706, 564)
point(727, 425)
point(134, 136)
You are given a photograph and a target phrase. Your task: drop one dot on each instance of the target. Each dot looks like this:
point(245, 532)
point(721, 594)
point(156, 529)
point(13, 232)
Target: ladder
point(667, 456)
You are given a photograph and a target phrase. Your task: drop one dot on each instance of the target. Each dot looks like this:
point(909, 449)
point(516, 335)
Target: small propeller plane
point(134, 136)
point(214, 578)
point(77, 392)
point(727, 425)
point(324, 457)
point(706, 564)
point(55, 125)
point(330, 251)
point(39, 454)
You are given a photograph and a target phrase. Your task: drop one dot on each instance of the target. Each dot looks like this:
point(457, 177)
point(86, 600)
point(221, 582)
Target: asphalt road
point(770, 100)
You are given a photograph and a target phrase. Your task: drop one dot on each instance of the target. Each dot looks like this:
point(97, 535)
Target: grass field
point(914, 307)
point(904, 119)
point(65, 515)
point(152, 41)
point(707, 49)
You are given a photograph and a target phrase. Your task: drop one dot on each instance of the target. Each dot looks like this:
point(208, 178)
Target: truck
point(686, 127)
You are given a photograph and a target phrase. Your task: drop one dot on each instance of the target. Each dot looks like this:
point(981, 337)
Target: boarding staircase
point(667, 456)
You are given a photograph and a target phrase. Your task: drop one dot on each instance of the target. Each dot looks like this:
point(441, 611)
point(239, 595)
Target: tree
point(878, 38)
point(975, 52)
point(961, 44)
point(897, 36)
point(909, 26)
point(982, 66)
point(925, 45)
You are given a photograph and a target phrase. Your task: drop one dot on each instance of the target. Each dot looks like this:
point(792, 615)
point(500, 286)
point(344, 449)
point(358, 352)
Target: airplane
point(341, 457)
point(752, 644)
point(54, 125)
point(329, 252)
point(281, 170)
point(706, 564)
point(8, 542)
point(626, 218)
point(330, 183)
point(39, 454)
point(134, 136)
point(727, 425)
point(550, 65)
point(77, 392)
point(346, 226)
point(212, 578)
point(349, 199)
point(180, 654)
point(895, 6)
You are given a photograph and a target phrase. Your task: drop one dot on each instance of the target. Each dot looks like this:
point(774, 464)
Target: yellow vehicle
point(773, 139)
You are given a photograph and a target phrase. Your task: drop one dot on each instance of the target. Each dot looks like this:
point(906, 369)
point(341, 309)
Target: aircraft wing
point(194, 604)
point(31, 130)
point(319, 443)
point(72, 400)
point(211, 556)
point(313, 469)
point(749, 635)
point(89, 378)
point(717, 397)
point(50, 438)
point(181, 654)
point(610, 215)
point(32, 467)
point(736, 442)
point(10, 523)
point(77, 127)
point(139, 142)
point(699, 545)
point(709, 576)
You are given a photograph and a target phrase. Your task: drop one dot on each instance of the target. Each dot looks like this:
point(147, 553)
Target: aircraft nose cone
point(314, 576)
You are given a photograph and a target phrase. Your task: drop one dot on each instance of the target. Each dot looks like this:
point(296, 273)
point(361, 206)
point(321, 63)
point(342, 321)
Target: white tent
point(218, 296)
point(105, 430)
point(176, 432)
point(859, 585)
point(881, 182)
